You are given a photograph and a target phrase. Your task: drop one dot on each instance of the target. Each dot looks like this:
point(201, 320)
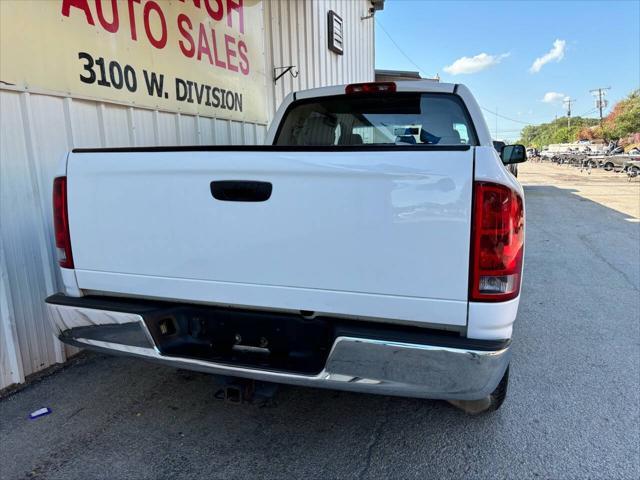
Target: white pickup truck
point(345, 254)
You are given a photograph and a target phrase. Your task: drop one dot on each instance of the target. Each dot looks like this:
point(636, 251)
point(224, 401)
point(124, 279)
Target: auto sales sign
point(192, 56)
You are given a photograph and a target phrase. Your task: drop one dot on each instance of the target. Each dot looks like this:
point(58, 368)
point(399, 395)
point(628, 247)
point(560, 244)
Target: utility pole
point(601, 103)
point(568, 101)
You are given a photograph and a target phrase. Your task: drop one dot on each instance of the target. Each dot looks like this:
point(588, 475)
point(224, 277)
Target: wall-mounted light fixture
point(336, 36)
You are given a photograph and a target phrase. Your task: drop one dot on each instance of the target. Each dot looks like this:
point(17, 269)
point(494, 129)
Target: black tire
point(487, 404)
point(499, 395)
point(608, 166)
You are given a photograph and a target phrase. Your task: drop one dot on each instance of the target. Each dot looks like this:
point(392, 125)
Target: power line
point(421, 70)
point(505, 117)
point(588, 112)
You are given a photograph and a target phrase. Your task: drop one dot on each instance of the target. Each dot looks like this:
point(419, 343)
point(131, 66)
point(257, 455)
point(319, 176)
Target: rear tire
point(499, 395)
point(608, 166)
point(488, 404)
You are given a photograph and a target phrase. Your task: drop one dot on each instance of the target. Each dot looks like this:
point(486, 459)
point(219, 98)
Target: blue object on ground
point(39, 413)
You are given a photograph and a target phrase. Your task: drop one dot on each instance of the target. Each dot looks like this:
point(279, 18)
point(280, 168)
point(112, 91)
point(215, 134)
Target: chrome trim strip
point(65, 317)
point(147, 334)
point(354, 364)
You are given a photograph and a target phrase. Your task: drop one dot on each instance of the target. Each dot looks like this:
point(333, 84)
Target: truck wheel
point(499, 395)
point(608, 166)
point(488, 404)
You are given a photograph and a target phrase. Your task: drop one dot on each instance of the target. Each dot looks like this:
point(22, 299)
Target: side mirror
point(513, 154)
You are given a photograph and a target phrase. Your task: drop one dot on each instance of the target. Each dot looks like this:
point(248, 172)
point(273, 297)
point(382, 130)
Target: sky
point(519, 58)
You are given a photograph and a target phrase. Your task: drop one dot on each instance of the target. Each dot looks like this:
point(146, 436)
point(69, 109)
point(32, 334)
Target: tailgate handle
point(241, 190)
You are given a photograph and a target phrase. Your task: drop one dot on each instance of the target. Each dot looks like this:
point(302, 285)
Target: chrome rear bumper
point(355, 364)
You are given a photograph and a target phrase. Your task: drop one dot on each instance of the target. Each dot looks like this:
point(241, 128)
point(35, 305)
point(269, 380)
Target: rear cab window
point(402, 119)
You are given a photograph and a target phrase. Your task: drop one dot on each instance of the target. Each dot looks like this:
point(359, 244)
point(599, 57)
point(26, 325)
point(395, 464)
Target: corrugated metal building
point(38, 127)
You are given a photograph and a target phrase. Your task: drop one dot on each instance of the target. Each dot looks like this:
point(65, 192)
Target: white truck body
point(382, 235)
point(401, 251)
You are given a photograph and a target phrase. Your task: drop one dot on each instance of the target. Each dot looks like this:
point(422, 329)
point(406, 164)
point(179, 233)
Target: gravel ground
point(614, 190)
point(572, 409)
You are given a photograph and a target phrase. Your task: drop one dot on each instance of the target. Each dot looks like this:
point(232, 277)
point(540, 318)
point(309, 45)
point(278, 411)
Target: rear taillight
point(375, 87)
point(61, 222)
point(497, 243)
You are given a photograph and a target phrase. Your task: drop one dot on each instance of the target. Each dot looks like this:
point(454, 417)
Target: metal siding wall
point(297, 35)
point(37, 130)
point(10, 358)
point(24, 239)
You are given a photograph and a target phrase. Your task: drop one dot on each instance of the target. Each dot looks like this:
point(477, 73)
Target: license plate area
point(264, 340)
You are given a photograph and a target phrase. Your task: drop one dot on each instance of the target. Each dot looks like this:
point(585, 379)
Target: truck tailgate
point(364, 233)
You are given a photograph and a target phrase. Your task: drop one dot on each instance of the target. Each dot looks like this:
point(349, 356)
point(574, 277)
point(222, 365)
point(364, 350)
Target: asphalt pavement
point(572, 410)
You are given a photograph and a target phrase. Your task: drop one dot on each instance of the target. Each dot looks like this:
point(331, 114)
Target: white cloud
point(556, 53)
point(553, 97)
point(475, 64)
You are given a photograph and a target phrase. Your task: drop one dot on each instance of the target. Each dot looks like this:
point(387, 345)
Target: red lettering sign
point(205, 45)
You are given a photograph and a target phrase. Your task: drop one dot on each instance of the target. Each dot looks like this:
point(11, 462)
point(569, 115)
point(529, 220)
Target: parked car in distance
point(336, 256)
point(632, 167)
point(612, 162)
point(618, 162)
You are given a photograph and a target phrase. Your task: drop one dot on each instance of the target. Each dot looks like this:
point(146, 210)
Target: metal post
point(568, 101)
point(601, 102)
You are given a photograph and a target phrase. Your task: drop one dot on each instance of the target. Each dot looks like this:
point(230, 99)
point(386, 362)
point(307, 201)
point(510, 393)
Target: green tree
point(624, 118)
point(556, 131)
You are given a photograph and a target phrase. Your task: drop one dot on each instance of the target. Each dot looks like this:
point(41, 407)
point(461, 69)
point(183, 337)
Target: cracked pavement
point(572, 410)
